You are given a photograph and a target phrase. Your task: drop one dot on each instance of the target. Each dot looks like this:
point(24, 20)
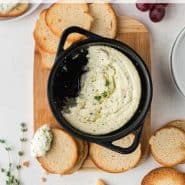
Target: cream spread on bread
point(41, 142)
point(110, 92)
point(7, 7)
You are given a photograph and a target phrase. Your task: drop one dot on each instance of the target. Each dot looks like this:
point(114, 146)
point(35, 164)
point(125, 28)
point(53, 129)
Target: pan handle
point(75, 29)
point(129, 149)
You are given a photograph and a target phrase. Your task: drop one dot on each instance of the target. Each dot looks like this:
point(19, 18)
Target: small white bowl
point(31, 9)
point(177, 62)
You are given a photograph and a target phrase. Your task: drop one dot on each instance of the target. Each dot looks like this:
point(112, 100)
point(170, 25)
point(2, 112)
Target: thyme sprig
point(13, 178)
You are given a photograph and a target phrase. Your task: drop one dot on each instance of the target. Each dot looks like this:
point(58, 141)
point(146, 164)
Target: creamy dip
point(7, 7)
point(41, 141)
point(110, 92)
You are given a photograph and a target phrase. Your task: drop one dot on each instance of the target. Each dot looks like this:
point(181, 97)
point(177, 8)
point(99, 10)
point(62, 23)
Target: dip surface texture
point(110, 93)
point(41, 141)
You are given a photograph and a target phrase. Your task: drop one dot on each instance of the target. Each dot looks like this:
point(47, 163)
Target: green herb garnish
point(3, 170)
point(23, 125)
point(98, 98)
point(18, 167)
point(104, 94)
point(20, 153)
point(8, 148)
point(23, 139)
point(12, 172)
point(107, 82)
point(2, 141)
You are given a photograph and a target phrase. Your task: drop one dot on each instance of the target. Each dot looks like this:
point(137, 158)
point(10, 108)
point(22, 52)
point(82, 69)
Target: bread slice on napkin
point(105, 20)
point(63, 15)
point(168, 146)
point(164, 176)
point(114, 162)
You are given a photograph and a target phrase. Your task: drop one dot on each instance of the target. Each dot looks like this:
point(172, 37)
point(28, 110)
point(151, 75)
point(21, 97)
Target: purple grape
point(157, 13)
point(144, 6)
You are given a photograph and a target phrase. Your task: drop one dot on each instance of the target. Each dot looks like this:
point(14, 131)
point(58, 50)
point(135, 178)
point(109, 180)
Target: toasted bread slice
point(105, 20)
point(47, 58)
point(63, 15)
point(114, 162)
point(44, 37)
point(20, 9)
point(82, 153)
point(168, 146)
point(63, 155)
point(177, 123)
point(164, 176)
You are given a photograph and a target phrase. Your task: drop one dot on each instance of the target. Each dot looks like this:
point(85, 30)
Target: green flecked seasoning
point(104, 94)
point(107, 83)
point(98, 98)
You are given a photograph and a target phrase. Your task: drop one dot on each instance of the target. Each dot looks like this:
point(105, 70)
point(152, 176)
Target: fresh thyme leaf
point(3, 170)
point(98, 98)
point(23, 125)
point(8, 173)
point(2, 141)
point(17, 182)
point(18, 167)
point(24, 129)
point(8, 148)
point(23, 139)
point(20, 153)
point(10, 165)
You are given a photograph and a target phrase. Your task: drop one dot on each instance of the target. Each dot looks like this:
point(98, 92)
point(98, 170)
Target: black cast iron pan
point(64, 81)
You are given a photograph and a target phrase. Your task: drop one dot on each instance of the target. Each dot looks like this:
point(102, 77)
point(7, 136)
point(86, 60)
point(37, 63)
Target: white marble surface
point(16, 92)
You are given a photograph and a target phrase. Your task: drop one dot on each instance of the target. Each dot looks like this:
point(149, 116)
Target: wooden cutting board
point(130, 31)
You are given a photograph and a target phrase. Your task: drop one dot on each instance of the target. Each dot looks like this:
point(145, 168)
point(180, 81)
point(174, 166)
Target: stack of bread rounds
point(61, 16)
point(114, 162)
point(177, 123)
point(164, 176)
point(47, 58)
point(44, 37)
point(20, 9)
point(98, 18)
point(168, 144)
point(82, 153)
point(105, 20)
point(66, 154)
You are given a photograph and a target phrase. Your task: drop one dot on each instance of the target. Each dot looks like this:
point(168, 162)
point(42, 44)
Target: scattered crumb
point(26, 164)
point(43, 179)
point(100, 182)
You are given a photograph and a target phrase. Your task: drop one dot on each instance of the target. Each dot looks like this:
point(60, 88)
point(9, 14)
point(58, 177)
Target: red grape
point(144, 6)
point(157, 13)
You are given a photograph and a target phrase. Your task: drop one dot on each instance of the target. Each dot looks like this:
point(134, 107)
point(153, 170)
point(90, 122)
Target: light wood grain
point(130, 31)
